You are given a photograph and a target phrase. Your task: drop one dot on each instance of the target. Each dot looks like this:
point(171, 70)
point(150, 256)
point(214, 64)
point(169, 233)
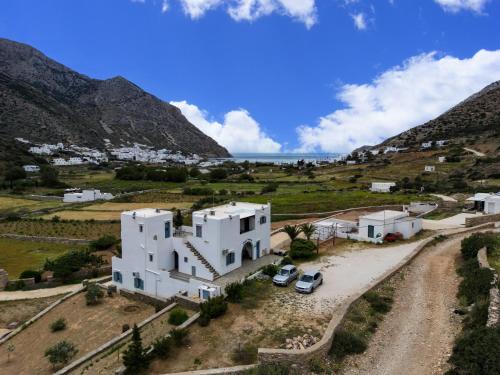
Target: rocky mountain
point(476, 118)
point(44, 101)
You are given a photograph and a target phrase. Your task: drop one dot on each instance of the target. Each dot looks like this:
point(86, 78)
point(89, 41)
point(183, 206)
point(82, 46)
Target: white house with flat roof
point(86, 196)
point(479, 200)
point(31, 168)
point(374, 227)
point(382, 187)
point(160, 261)
point(492, 204)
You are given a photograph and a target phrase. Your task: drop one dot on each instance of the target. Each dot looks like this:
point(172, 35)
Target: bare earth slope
point(417, 336)
point(44, 101)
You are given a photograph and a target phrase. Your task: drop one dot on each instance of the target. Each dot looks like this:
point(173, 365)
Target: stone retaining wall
point(156, 302)
point(63, 240)
point(494, 308)
point(473, 221)
point(236, 370)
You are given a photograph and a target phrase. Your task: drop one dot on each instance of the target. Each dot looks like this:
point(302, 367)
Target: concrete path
point(38, 293)
point(476, 153)
point(457, 221)
point(445, 197)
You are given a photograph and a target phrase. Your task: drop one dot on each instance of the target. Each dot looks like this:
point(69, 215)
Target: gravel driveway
point(457, 221)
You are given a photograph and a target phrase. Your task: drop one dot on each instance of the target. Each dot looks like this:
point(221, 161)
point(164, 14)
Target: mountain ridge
point(44, 101)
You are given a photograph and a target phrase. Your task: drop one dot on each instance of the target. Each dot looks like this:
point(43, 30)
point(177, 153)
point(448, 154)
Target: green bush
point(377, 302)
point(103, 243)
point(345, 343)
point(472, 244)
point(61, 353)
point(65, 265)
point(478, 316)
point(13, 286)
point(37, 275)
point(213, 308)
point(177, 316)
point(476, 283)
point(302, 249)
point(58, 325)
point(162, 347)
point(286, 260)
point(94, 294)
point(269, 188)
point(234, 292)
point(270, 270)
point(476, 352)
point(179, 336)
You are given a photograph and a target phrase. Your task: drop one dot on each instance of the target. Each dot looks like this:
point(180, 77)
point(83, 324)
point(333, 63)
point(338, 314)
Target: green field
point(68, 229)
point(17, 256)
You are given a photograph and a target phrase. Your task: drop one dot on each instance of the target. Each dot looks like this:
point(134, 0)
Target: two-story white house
point(160, 261)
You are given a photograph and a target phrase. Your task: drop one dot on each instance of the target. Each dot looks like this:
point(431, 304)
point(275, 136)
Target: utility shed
point(374, 227)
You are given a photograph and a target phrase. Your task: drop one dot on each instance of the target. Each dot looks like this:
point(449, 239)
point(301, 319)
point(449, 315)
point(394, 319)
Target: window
point(193, 271)
point(199, 231)
point(371, 231)
point(150, 257)
point(138, 283)
point(185, 259)
point(117, 276)
point(141, 228)
point(167, 229)
point(247, 224)
point(230, 259)
point(263, 219)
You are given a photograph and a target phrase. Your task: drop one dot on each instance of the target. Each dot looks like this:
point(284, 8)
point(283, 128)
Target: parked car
point(286, 275)
point(309, 281)
point(392, 237)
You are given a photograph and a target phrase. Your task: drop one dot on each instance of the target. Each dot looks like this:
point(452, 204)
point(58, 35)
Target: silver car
point(285, 275)
point(309, 281)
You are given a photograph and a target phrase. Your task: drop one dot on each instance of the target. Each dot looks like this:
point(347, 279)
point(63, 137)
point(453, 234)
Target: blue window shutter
point(167, 229)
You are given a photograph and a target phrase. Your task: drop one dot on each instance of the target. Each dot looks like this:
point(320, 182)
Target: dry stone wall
point(494, 308)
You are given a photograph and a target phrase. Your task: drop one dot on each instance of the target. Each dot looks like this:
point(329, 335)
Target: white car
point(286, 275)
point(309, 281)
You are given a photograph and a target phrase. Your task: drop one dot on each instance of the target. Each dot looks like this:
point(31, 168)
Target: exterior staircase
point(202, 259)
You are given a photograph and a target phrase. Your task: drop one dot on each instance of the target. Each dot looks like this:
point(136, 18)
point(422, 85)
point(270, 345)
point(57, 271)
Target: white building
point(86, 196)
point(441, 142)
point(427, 144)
point(374, 227)
point(159, 261)
point(478, 200)
point(441, 159)
point(492, 204)
point(31, 168)
point(429, 168)
point(382, 187)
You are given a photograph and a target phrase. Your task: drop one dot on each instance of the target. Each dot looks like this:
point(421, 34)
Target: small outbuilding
point(429, 168)
point(492, 205)
point(374, 227)
point(31, 168)
point(382, 187)
point(86, 196)
point(478, 200)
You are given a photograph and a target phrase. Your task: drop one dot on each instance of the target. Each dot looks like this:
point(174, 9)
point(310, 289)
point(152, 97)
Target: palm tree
point(308, 229)
point(293, 231)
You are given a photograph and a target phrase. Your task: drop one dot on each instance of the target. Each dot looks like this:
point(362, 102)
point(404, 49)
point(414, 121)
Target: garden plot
point(87, 327)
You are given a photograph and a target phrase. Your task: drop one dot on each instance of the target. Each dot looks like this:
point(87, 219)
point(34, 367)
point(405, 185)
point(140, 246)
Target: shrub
point(245, 354)
point(476, 352)
point(58, 325)
point(103, 243)
point(162, 346)
point(270, 270)
point(478, 316)
point(476, 284)
point(472, 244)
point(37, 275)
point(213, 308)
point(217, 174)
point(94, 294)
point(286, 260)
point(65, 265)
point(177, 316)
point(179, 336)
point(16, 285)
point(302, 249)
point(234, 292)
point(377, 302)
point(61, 353)
point(269, 188)
point(345, 343)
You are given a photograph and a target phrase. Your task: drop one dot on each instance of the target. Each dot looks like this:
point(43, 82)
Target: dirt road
point(416, 337)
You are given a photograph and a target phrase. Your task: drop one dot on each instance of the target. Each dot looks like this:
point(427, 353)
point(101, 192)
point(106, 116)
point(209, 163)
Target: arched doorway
point(246, 252)
point(176, 261)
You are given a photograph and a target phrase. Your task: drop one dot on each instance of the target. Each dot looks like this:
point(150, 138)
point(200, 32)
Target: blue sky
point(278, 75)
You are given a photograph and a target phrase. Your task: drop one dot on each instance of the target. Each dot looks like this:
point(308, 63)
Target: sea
point(283, 158)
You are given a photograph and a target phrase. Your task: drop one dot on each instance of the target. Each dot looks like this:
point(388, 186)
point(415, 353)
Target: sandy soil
point(416, 337)
point(457, 221)
point(22, 310)
point(87, 329)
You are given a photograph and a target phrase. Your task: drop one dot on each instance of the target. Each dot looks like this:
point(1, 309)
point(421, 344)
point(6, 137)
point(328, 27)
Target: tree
point(94, 294)
point(218, 174)
point(14, 173)
point(194, 172)
point(49, 176)
point(10, 350)
point(308, 229)
point(293, 231)
point(178, 219)
point(134, 357)
point(61, 353)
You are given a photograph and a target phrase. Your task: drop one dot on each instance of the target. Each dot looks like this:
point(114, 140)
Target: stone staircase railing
point(202, 259)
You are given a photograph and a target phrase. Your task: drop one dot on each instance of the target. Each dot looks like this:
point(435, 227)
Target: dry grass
point(22, 310)
point(20, 204)
point(88, 327)
point(111, 206)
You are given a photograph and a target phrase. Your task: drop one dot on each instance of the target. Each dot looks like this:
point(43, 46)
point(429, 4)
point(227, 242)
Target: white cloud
point(165, 6)
point(359, 21)
point(402, 97)
point(239, 132)
point(457, 5)
point(250, 10)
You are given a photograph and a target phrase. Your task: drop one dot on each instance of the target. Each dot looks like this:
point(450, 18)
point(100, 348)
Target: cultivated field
point(76, 229)
point(91, 327)
point(13, 204)
point(17, 256)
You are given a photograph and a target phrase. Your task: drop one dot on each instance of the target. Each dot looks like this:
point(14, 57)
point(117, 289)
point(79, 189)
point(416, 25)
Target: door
point(257, 249)
point(176, 261)
point(371, 231)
